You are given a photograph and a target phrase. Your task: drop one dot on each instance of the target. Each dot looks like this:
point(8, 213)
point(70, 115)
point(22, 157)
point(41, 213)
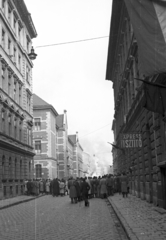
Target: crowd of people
point(80, 189)
point(55, 187)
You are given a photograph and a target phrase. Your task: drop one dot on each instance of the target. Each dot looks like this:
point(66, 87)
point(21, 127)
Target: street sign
point(131, 140)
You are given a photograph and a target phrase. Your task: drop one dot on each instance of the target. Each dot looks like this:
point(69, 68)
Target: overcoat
point(55, 187)
point(72, 188)
point(124, 184)
point(62, 187)
point(103, 186)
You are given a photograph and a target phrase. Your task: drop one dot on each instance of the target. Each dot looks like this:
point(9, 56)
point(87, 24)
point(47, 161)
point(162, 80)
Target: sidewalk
point(5, 203)
point(141, 220)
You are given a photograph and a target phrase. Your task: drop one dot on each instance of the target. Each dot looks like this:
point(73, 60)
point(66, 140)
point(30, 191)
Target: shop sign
point(131, 140)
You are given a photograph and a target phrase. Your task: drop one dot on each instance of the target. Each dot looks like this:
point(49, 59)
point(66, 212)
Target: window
point(3, 121)
point(14, 90)
point(10, 168)
point(38, 171)
point(9, 122)
point(20, 95)
point(28, 102)
point(3, 38)
point(9, 13)
point(9, 46)
point(28, 74)
point(37, 147)
point(20, 169)
point(29, 136)
point(3, 5)
point(37, 126)
point(14, 23)
point(9, 83)
point(19, 62)
point(19, 33)
point(3, 76)
point(15, 168)
point(20, 132)
point(14, 55)
point(15, 128)
point(29, 169)
point(3, 167)
point(28, 44)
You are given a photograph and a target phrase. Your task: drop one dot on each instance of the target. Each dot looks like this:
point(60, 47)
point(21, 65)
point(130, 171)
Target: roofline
point(44, 107)
point(70, 141)
point(26, 17)
point(117, 7)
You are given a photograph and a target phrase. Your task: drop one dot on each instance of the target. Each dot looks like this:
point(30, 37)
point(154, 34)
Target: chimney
point(77, 137)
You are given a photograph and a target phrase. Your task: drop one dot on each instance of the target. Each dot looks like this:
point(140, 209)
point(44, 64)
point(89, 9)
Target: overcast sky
point(72, 76)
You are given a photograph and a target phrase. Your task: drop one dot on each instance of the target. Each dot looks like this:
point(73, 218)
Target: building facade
point(44, 139)
point(78, 170)
point(86, 164)
point(62, 146)
point(145, 164)
point(16, 110)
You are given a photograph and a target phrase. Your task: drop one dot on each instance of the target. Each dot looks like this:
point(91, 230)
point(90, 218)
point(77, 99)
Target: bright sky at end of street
point(72, 76)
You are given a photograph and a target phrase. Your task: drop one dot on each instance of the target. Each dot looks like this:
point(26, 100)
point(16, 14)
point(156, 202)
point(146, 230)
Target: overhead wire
point(76, 41)
point(95, 130)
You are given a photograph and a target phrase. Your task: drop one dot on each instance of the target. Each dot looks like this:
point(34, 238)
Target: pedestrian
point(62, 188)
point(85, 187)
point(41, 186)
point(110, 185)
point(25, 187)
point(55, 187)
point(77, 185)
point(103, 187)
point(124, 184)
point(88, 181)
point(73, 191)
point(47, 186)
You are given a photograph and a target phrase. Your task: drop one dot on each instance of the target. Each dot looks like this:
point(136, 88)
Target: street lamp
point(32, 55)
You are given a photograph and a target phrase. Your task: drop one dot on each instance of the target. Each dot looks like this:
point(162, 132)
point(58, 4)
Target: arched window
point(3, 167)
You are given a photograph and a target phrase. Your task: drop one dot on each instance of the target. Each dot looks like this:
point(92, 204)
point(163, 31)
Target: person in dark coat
point(85, 187)
point(55, 187)
point(78, 190)
point(72, 189)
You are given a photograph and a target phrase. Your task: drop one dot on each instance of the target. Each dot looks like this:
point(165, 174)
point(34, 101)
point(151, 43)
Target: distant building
point(77, 156)
point(44, 139)
point(86, 164)
point(62, 145)
point(16, 110)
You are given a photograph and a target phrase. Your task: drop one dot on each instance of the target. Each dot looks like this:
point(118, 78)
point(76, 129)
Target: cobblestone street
point(56, 218)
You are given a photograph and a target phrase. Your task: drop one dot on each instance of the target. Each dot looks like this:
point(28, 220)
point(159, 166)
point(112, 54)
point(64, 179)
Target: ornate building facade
point(16, 108)
point(146, 164)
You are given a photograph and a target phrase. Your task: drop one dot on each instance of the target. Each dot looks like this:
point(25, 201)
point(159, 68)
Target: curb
point(19, 202)
point(128, 230)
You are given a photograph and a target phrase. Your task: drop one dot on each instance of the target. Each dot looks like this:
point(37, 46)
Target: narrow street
point(49, 218)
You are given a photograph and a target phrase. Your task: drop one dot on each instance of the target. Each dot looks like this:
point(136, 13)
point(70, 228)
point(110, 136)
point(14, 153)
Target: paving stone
point(141, 220)
point(49, 218)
